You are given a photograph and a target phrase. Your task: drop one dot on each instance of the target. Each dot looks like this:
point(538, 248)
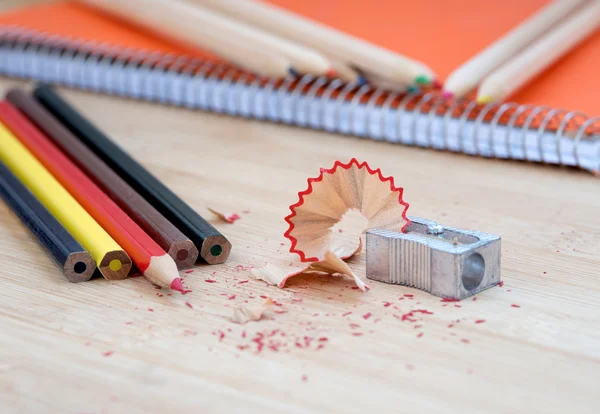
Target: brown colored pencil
point(165, 234)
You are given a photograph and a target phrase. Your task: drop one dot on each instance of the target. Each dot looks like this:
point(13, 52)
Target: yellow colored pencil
point(110, 258)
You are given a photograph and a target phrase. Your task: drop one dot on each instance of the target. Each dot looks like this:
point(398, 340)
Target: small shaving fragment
point(228, 217)
point(243, 314)
point(331, 264)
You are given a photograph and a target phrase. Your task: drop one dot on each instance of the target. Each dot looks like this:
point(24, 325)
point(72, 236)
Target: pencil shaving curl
point(327, 200)
point(345, 187)
point(330, 265)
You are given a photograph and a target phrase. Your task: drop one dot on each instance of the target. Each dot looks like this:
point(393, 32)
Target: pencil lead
point(413, 89)
point(437, 84)
point(447, 95)
point(177, 285)
point(361, 80)
point(486, 99)
point(331, 73)
point(422, 80)
point(293, 72)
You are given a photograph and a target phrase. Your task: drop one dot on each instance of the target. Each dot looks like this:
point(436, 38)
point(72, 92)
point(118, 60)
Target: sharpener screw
point(435, 229)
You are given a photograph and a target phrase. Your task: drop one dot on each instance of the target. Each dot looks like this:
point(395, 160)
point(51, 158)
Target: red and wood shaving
point(228, 217)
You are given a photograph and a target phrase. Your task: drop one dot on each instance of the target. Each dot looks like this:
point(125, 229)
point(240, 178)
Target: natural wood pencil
point(77, 264)
point(332, 43)
point(518, 71)
point(168, 237)
point(242, 44)
point(214, 248)
point(466, 77)
point(111, 260)
point(154, 263)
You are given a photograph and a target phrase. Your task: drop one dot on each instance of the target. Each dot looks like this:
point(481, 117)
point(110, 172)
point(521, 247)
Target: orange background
point(441, 33)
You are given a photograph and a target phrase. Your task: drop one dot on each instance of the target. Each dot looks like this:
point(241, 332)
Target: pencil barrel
point(76, 263)
point(168, 237)
point(213, 247)
point(62, 205)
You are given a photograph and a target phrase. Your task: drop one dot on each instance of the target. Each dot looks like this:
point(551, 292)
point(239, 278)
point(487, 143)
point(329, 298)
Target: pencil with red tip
point(154, 263)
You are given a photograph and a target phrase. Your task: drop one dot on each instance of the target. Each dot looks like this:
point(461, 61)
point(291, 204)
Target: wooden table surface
point(532, 345)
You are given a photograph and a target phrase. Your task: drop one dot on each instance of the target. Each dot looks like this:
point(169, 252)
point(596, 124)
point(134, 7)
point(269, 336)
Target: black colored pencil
point(213, 246)
point(78, 265)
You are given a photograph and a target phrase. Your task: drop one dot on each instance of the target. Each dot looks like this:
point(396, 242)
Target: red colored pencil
point(147, 255)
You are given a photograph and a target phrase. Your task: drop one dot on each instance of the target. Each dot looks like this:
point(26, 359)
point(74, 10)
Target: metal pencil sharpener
point(444, 261)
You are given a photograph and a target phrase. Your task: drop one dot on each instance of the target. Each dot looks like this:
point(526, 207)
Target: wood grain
point(543, 356)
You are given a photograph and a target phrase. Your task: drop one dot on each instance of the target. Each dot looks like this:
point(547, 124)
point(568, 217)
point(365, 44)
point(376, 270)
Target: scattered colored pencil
point(111, 260)
point(332, 43)
point(168, 237)
point(247, 46)
point(154, 263)
point(517, 72)
point(468, 76)
point(75, 261)
point(213, 246)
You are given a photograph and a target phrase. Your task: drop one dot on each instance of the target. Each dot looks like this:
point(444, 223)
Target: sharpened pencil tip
point(437, 84)
point(293, 72)
point(422, 80)
point(331, 73)
point(361, 80)
point(413, 89)
point(447, 95)
point(484, 99)
point(177, 285)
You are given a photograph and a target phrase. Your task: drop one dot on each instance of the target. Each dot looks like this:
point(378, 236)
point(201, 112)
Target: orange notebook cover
point(441, 34)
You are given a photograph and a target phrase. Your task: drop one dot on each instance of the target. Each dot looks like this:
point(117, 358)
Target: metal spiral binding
point(508, 130)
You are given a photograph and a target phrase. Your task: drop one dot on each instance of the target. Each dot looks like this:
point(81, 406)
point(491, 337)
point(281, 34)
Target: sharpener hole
point(473, 271)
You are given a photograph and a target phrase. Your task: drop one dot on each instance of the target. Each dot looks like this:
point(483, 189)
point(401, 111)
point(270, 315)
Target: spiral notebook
point(83, 48)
